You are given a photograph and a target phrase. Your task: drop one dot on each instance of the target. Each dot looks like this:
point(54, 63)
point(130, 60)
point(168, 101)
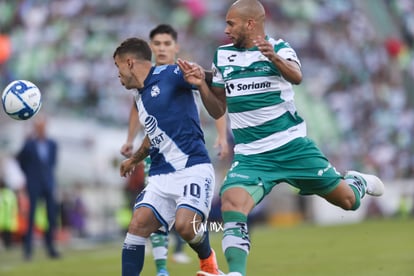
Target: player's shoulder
point(224, 51)
point(167, 69)
point(158, 69)
point(279, 43)
point(226, 47)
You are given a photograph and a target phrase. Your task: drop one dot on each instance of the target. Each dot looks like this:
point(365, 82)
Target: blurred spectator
point(73, 211)
point(38, 158)
point(12, 196)
point(78, 212)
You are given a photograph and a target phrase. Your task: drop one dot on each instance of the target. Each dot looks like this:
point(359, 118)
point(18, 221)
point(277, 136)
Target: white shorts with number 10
point(191, 188)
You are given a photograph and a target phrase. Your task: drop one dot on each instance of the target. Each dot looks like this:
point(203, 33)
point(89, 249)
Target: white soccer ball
point(21, 99)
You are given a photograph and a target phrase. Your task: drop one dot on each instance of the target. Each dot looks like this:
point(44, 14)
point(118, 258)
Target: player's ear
point(251, 24)
point(130, 63)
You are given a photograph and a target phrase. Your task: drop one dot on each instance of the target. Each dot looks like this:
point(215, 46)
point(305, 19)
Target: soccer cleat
point(181, 258)
point(209, 274)
point(209, 265)
point(374, 185)
point(163, 272)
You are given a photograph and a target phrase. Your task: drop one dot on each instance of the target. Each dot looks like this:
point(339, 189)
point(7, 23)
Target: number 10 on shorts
point(193, 189)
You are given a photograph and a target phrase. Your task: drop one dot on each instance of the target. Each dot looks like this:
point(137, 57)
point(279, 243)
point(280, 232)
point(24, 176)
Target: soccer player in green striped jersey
point(252, 78)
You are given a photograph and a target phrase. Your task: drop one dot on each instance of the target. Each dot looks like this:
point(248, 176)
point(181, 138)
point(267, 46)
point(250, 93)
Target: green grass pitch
point(371, 248)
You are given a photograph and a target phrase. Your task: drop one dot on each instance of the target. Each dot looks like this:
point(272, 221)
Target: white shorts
point(191, 188)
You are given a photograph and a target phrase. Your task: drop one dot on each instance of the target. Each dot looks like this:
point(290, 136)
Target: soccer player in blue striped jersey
point(165, 47)
point(181, 176)
point(253, 79)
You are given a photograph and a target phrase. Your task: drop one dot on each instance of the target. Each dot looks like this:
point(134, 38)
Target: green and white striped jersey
point(260, 102)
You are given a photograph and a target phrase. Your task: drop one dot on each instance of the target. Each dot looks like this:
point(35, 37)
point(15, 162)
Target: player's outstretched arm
point(289, 69)
point(128, 165)
point(221, 142)
point(214, 100)
point(133, 129)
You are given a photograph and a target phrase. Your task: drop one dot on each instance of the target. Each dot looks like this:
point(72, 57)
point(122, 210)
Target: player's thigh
point(191, 188)
point(197, 185)
point(310, 171)
point(241, 198)
point(247, 182)
point(155, 206)
point(143, 222)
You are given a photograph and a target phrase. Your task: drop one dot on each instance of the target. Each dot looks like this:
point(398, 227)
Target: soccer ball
point(21, 99)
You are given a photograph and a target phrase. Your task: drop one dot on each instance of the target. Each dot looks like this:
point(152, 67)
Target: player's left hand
point(193, 73)
point(265, 47)
point(223, 146)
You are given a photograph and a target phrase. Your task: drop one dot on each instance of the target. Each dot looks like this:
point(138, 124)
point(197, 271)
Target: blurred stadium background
point(357, 95)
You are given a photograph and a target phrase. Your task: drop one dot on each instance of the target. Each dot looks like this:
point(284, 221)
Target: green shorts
point(299, 163)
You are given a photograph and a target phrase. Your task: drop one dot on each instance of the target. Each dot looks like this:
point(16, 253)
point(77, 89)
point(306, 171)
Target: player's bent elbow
point(297, 82)
point(216, 114)
point(296, 79)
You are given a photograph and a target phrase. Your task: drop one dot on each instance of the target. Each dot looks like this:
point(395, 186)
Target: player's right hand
point(193, 73)
point(127, 167)
point(126, 149)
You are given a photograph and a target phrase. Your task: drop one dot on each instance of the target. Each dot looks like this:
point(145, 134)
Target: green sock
point(159, 244)
point(236, 242)
point(358, 186)
point(233, 216)
point(237, 259)
point(161, 264)
point(357, 198)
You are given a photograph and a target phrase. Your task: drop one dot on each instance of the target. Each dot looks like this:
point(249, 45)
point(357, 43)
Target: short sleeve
point(217, 76)
point(285, 51)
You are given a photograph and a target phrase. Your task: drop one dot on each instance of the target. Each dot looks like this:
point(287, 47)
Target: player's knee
point(185, 230)
point(238, 200)
point(343, 197)
point(229, 205)
point(140, 228)
point(347, 203)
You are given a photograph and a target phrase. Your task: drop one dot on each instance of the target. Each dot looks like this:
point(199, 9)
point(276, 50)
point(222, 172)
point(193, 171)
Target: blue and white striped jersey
point(168, 112)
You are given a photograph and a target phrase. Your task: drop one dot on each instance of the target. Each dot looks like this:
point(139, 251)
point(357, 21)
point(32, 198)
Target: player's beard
point(127, 82)
point(241, 40)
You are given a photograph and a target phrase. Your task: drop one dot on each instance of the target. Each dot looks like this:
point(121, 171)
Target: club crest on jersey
point(155, 91)
point(177, 70)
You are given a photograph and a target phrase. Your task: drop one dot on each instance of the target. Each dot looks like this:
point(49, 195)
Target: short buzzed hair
point(164, 29)
point(249, 9)
point(135, 46)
